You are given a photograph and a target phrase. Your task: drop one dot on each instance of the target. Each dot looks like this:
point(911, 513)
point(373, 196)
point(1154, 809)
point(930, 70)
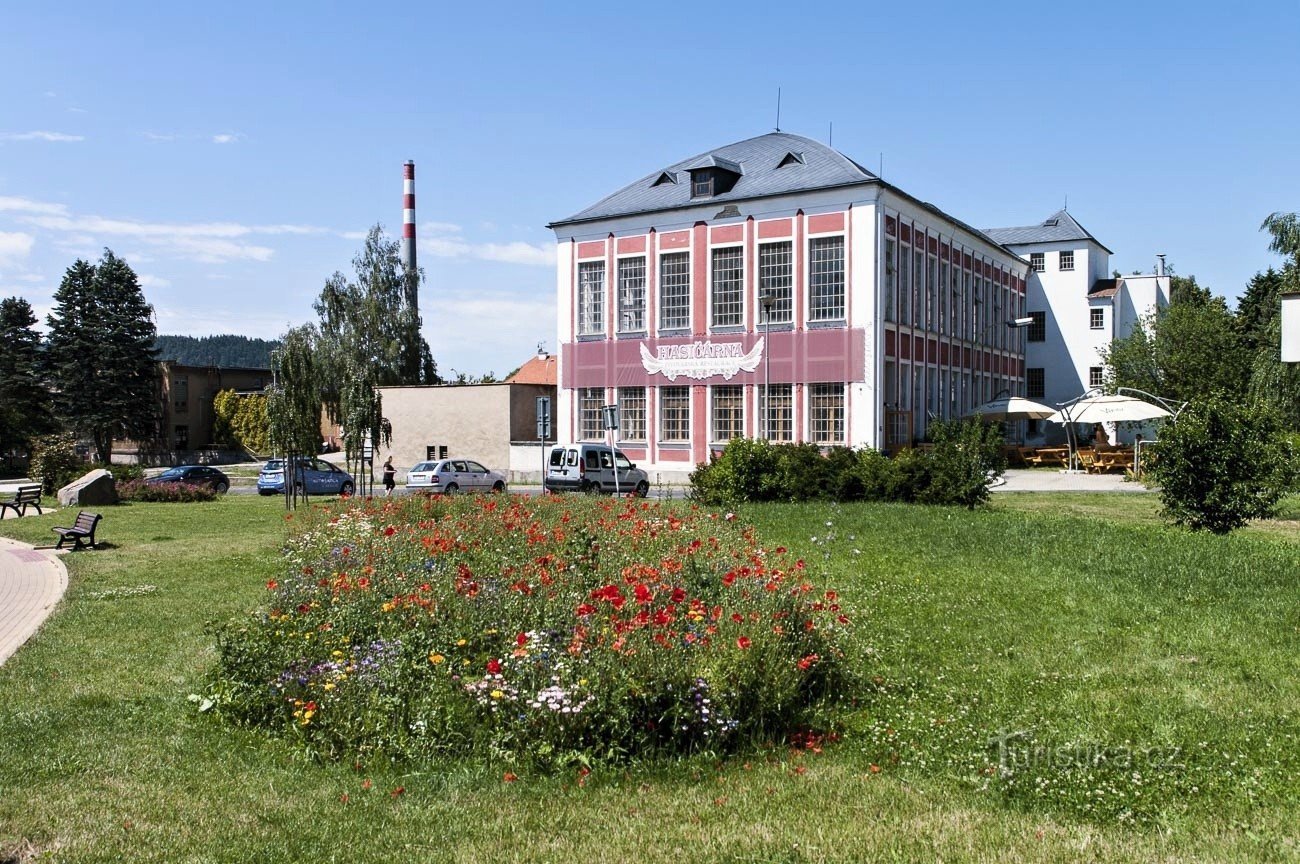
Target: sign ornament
point(702, 359)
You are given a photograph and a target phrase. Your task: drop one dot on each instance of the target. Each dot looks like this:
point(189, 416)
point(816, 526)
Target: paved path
point(1043, 480)
point(31, 584)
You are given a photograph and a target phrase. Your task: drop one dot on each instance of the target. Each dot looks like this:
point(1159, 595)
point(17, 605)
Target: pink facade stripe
point(825, 223)
point(631, 245)
point(770, 229)
point(593, 249)
point(674, 240)
point(727, 234)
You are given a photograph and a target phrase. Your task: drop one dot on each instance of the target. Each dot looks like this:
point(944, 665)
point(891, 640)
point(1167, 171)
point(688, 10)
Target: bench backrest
point(86, 521)
point(28, 495)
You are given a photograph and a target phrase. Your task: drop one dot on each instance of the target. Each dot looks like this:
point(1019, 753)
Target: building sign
point(700, 360)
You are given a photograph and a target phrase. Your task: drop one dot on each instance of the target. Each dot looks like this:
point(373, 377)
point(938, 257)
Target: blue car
point(314, 476)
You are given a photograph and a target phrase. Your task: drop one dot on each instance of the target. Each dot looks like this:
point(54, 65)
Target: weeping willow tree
point(293, 405)
point(361, 413)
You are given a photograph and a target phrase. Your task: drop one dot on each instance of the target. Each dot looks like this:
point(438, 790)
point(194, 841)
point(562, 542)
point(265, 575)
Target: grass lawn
point(1057, 677)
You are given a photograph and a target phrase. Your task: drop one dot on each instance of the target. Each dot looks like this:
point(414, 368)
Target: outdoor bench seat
point(82, 532)
point(26, 496)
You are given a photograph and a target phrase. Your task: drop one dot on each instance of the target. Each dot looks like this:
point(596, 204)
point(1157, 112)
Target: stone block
point(93, 489)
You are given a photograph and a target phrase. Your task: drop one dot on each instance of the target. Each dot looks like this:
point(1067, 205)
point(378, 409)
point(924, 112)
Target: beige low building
point(495, 424)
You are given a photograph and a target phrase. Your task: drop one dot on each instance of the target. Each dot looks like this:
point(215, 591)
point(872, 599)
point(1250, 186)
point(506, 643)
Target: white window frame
point(1065, 260)
point(737, 419)
point(1096, 318)
point(740, 290)
point(623, 308)
point(664, 436)
point(686, 255)
point(589, 324)
point(842, 306)
point(1038, 261)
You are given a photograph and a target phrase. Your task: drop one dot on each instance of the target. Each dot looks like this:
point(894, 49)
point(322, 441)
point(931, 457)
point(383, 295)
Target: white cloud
point(495, 331)
point(40, 135)
point(26, 205)
point(148, 280)
point(160, 136)
point(227, 137)
point(439, 228)
point(354, 235)
point(517, 252)
point(15, 245)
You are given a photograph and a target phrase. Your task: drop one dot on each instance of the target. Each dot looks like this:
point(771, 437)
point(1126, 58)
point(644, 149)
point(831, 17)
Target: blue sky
point(234, 153)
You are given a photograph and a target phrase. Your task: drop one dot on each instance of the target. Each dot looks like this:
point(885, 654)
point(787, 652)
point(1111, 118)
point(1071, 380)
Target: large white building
point(775, 288)
point(1077, 307)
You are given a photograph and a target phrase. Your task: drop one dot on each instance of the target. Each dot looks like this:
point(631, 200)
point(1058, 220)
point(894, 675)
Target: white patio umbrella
point(1012, 408)
point(1108, 409)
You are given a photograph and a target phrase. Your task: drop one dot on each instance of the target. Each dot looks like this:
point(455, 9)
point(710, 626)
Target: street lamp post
point(767, 299)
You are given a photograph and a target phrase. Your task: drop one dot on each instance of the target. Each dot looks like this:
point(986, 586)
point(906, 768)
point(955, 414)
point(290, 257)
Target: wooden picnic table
point(1120, 459)
point(1047, 457)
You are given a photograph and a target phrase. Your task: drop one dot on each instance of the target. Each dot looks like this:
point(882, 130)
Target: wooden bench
point(82, 531)
point(26, 496)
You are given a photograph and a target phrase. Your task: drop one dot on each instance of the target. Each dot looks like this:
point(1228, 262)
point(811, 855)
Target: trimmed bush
point(181, 493)
point(1221, 465)
point(957, 471)
point(549, 629)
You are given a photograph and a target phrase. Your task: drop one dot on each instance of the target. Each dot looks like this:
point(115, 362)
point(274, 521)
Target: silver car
point(449, 476)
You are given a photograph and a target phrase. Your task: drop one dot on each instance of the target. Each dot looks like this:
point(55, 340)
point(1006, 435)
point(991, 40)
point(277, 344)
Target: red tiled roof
point(538, 370)
point(1104, 288)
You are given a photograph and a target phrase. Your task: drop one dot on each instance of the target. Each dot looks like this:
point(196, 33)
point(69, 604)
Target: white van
point(590, 468)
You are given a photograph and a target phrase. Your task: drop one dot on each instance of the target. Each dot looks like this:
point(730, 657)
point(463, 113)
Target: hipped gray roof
point(1060, 227)
point(758, 161)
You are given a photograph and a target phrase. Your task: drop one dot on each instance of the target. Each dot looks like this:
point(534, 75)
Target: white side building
point(1077, 306)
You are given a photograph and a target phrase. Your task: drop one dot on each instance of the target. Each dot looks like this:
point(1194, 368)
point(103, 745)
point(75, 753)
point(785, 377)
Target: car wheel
point(498, 487)
point(347, 488)
point(221, 487)
point(451, 489)
point(642, 489)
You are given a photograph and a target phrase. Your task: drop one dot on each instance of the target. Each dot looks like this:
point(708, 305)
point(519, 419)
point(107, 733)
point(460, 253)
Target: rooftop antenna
point(778, 109)
point(1067, 202)
point(881, 175)
point(830, 135)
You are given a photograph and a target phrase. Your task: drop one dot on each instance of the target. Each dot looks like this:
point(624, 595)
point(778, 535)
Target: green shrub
point(508, 628)
point(138, 490)
point(802, 473)
point(55, 461)
point(747, 470)
point(966, 455)
point(1220, 465)
point(121, 472)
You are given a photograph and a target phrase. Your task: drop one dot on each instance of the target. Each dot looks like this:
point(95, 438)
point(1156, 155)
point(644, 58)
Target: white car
point(449, 476)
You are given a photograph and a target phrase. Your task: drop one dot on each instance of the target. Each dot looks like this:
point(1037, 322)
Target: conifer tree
point(24, 400)
point(100, 356)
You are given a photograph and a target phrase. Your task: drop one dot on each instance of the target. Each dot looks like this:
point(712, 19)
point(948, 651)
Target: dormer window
point(702, 183)
point(665, 177)
point(712, 175)
point(791, 158)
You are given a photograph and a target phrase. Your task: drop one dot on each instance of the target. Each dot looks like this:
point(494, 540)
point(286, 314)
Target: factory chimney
point(408, 234)
point(1160, 264)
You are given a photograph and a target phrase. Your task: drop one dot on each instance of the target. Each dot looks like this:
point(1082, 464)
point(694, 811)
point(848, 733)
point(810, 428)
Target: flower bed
point(550, 629)
point(139, 490)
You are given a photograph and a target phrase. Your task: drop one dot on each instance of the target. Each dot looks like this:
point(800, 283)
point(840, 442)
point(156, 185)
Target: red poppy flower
point(743, 643)
point(521, 640)
point(494, 666)
point(509, 777)
point(271, 585)
point(585, 609)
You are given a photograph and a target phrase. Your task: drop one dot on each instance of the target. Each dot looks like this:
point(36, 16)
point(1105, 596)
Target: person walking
point(390, 477)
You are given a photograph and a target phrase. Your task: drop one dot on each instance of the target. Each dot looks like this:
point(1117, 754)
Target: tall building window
point(675, 291)
point(1067, 260)
point(891, 279)
point(591, 298)
point(674, 414)
point(918, 303)
point(590, 400)
point(181, 395)
point(728, 413)
point(826, 413)
point(905, 287)
point(1035, 385)
point(631, 413)
point(826, 279)
point(944, 304)
point(778, 406)
point(775, 267)
point(931, 302)
point(1037, 331)
point(631, 295)
point(1097, 318)
point(1095, 376)
point(1037, 262)
point(728, 287)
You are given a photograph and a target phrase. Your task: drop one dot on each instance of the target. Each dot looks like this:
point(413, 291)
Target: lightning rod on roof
point(778, 109)
point(830, 134)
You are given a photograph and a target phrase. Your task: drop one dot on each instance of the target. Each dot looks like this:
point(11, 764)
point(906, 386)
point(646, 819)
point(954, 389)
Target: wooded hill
point(225, 351)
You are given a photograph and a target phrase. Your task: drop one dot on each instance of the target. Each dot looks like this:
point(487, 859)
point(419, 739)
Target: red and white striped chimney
point(408, 215)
